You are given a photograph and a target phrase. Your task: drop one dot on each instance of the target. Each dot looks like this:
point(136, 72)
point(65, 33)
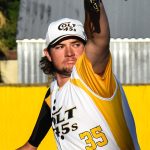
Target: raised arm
point(98, 34)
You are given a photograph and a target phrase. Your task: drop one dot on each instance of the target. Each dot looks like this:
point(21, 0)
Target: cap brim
point(61, 38)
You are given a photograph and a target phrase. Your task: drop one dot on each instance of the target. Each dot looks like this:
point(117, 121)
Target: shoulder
point(47, 93)
point(47, 97)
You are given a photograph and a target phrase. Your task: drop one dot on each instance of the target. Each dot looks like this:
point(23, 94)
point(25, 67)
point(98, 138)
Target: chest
point(70, 103)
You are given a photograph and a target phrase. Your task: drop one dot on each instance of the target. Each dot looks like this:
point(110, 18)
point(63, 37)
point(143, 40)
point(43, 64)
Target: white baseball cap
point(64, 28)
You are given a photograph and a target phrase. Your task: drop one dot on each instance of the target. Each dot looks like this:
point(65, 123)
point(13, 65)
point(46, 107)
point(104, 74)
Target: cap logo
point(67, 26)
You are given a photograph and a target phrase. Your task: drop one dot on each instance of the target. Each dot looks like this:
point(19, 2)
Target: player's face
point(65, 54)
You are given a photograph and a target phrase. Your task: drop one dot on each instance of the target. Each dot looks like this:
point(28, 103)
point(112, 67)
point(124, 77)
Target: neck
point(61, 79)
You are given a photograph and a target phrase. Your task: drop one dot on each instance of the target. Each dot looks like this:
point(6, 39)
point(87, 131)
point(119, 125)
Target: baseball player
point(85, 104)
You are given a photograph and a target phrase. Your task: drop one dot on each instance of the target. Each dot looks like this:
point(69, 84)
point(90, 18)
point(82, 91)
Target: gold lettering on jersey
point(90, 136)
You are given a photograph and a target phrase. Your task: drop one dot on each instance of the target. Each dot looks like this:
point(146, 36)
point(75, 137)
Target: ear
point(46, 53)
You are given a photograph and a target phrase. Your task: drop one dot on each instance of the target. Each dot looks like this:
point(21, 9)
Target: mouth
point(71, 61)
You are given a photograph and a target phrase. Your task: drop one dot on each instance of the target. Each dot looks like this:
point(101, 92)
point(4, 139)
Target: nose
point(69, 51)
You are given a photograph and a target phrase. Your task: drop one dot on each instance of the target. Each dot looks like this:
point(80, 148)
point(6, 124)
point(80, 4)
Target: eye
point(58, 47)
point(77, 44)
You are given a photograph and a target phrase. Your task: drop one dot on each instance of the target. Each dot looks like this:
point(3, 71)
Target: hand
point(27, 146)
point(93, 5)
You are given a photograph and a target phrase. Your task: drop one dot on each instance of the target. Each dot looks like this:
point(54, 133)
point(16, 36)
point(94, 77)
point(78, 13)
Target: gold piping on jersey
point(102, 85)
point(113, 114)
point(47, 100)
point(108, 99)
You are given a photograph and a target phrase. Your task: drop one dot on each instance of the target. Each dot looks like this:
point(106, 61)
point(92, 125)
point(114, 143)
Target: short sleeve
point(102, 85)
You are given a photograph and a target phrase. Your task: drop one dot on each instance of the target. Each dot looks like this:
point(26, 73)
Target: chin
point(68, 70)
point(65, 71)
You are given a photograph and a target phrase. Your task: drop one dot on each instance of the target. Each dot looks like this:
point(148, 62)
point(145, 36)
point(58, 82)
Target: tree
point(10, 9)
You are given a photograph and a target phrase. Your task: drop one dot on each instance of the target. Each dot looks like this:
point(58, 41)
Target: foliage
point(10, 9)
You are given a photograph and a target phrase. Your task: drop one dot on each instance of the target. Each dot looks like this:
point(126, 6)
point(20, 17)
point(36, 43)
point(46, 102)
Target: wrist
point(30, 147)
point(27, 146)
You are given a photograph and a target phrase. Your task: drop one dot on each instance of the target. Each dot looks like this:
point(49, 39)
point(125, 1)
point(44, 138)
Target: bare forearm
point(27, 146)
